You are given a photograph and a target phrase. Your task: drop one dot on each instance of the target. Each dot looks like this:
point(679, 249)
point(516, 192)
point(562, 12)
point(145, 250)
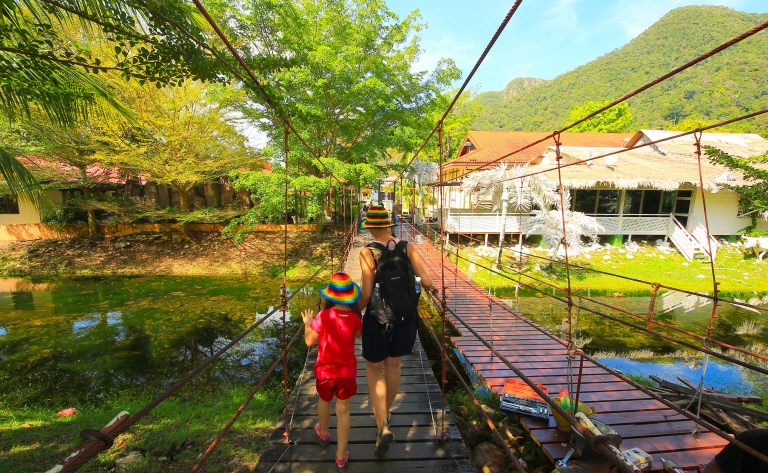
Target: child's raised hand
point(308, 315)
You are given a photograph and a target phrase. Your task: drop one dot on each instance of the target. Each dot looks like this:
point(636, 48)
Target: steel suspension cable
point(643, 389)
point(471, 74)
point(256, 82)
point(747, 34)
point(88, 450)
point(245, 403)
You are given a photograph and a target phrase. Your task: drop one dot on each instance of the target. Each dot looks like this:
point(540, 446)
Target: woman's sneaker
point(323, 439)
point(382, 443)
point(341, 465)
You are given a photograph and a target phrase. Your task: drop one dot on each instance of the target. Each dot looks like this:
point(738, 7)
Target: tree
point(182, 136)
point(421, 172)
point(505, 188)
point(753, 197)
point(577, 226)
point(346, 81)
point(616, 119)
point(43, 70)
point(63, 157)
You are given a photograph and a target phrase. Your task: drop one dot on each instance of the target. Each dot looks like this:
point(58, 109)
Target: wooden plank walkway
point(642, 421)
point(415, 422)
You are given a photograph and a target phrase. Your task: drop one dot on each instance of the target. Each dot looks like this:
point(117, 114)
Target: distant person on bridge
point(384, 343)
point(334, 329)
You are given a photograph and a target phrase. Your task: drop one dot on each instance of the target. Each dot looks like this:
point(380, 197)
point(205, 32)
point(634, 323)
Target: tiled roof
point(49, 169)
point(490, 145)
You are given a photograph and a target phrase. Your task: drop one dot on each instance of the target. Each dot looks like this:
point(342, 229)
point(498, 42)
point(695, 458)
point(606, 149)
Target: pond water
point(82, 340)
point(635, 352)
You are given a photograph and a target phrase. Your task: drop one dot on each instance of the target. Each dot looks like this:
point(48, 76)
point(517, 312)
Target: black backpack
point(399, 302)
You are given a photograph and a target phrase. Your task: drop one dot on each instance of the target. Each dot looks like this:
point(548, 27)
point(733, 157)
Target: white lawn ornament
point(760, 245)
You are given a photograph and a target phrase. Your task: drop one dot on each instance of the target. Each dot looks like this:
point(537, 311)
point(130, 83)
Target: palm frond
point(19, 181)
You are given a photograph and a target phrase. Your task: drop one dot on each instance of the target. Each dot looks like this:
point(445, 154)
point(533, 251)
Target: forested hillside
point(730, 84)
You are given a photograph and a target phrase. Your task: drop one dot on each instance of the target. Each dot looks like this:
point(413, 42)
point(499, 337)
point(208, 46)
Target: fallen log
point(724, 396)
point(711, 400)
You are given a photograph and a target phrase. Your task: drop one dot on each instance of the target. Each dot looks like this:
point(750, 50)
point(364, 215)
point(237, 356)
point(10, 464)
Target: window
point(668, 203)
point(596, 202)
point(632, 201)
point(608, 202)
point(584, 201)
point(9, 204)
point(651, 202)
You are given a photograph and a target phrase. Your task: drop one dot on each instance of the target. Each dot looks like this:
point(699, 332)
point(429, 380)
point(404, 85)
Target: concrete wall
point(27, 212)
point(722, 209)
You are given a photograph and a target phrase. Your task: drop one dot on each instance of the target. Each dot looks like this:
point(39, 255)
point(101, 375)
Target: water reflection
point(80, 340)
point(734, 324)
point(719, 376)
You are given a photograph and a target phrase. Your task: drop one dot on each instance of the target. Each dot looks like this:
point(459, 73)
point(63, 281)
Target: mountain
point(729, 84)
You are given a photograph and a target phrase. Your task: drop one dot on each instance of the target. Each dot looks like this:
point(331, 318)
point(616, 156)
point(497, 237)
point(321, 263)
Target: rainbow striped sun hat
point(341, 289)
point(377, 217)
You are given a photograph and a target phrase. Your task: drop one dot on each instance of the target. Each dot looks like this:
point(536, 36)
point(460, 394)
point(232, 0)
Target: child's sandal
point(341, 465)
point(324, 440)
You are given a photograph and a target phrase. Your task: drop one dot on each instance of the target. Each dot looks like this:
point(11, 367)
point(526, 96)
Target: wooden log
point(724, 396)
point(712, 400)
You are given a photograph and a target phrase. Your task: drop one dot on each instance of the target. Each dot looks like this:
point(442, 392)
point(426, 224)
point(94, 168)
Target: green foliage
point(727, 85)
point(753, 197)
point(614, 120)
point(349, 85)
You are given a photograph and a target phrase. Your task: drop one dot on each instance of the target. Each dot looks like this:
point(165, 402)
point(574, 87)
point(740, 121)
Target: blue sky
point(545, 38)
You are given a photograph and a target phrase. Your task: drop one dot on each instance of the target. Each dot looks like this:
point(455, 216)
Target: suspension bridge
point(498, 343)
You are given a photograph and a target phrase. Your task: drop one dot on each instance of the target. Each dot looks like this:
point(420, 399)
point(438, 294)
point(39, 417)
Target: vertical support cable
point(444, 348)
point(652, 304)
point(715, 283)
point(402, 204)
point(330, 212)
point(569, 297)
point(284, 293)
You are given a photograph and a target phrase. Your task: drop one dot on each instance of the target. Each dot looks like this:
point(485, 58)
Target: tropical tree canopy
point(346, 79)
point(753, 197)
point(44, 69)
point(614, 120)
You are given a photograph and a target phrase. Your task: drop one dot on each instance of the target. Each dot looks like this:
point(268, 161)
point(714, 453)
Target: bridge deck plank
point(644, 422)
point(415, 422)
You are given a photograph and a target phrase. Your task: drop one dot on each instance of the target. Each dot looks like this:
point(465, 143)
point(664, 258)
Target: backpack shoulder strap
point(376, 246)
point(402, 245)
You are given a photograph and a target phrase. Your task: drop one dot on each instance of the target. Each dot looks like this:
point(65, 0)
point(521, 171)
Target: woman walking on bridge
point(385, 344)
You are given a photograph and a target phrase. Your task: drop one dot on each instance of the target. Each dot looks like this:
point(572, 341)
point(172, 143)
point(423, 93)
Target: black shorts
point(378, 343)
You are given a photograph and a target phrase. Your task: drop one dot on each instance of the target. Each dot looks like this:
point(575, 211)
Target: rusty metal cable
point(471, 74)
point(242, 407)
point(641, 388)
point(90, 449)
point(610, 454)
point(257, 83)
point(494, 431)
point(749, 33)
point(609, 306)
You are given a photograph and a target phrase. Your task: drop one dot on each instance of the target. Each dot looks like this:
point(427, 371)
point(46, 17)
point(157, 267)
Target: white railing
point(486, 221)
point(684, 241)
point(700, 234)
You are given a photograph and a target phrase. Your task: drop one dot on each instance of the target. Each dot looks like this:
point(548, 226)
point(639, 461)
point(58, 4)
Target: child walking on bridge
point(334, 329)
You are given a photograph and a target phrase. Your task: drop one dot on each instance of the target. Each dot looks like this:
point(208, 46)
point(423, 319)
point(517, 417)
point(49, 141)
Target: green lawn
point(738, 274)
point(179, 429)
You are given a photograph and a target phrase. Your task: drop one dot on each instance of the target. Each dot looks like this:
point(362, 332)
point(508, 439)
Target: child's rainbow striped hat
point(377, 217)
point(341, 289)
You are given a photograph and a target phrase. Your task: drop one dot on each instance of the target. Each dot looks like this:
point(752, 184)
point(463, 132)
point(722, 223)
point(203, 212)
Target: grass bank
point(169, 439)
point(737, 270)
